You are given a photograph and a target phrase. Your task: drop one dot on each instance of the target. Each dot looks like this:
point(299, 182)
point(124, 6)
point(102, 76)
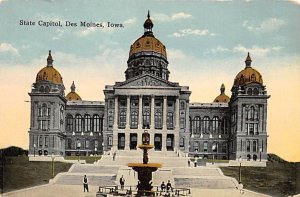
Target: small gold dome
point(49, 73)
point(222, 98)
point(248, 75)
point(73, 96)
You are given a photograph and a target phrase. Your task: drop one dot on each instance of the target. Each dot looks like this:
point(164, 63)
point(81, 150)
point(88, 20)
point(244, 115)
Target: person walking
point(85, 184)
point(114, 156)
point(162, 187)
point(169, 186)
point(122, 182)
point(189, 163)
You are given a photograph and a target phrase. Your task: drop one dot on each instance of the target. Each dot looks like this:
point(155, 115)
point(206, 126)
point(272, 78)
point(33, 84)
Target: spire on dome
point(222, 89)
point(49, 59)
point(73, 87)
point(148, 25)
point(248, 60)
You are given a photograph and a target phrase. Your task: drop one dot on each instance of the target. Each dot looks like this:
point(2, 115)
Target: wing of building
point(227, 128)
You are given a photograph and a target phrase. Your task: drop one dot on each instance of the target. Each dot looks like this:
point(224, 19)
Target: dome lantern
point(73, 87)
point(148, 25)
point(49, 59)
point(248, 60)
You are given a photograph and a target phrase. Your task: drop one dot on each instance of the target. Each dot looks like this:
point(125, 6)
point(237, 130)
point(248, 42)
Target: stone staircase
point(107, 172)
point(97, 175)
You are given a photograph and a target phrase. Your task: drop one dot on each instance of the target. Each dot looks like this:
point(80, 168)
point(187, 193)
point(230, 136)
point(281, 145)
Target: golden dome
point(222, 98)
point(147, 42)
point(49, 73)
point(73, 96)
point(248, 75)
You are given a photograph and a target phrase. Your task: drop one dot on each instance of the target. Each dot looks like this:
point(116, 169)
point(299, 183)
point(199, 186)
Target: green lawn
point(19, 173)
point(88, 159)
point(277, 179)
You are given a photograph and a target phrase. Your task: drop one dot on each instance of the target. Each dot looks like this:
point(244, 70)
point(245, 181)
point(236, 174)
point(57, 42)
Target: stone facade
point(228, 128)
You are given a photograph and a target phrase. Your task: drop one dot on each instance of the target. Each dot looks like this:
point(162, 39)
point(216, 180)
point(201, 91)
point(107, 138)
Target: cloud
point(60, 33)
point(6, 47)
point(268, 25)
point(129, 22)
point(196, 32)
point(176, 16)
point(256, 50)
point(297, 2)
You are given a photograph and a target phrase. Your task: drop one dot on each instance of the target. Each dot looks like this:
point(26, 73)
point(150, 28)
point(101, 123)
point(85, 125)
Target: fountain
point(145, 169)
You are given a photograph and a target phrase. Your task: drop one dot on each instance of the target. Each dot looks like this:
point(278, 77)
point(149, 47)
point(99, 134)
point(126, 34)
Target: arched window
point(110, 119)
point(47, 89)
point(87, 122)
point(61, 116)
point(122, 119)
point(158, 120)
point(134, 120)
point(96, 123)
point(42, 89)
point(206, 124)
point(170, 120)
point(215, 124)
point(44, 109)
point(78, 123)
point(191, 124)
point(249, 91)
point(252, 113)
point(224, 125)
point(196, 125)
point(255, 91)
point(69, 125)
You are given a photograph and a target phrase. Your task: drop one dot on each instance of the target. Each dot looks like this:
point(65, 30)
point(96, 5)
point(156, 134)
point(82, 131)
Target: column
point(164, 141)
point(128, 113)
point(152, 124)
point(187, 126)
point(140, 125)
point(116, 113)
point(177, 114)
point(115, 126)
point(177, 129)
point(165, 113)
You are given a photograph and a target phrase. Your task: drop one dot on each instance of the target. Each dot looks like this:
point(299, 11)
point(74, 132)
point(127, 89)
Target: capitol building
point(227, 128)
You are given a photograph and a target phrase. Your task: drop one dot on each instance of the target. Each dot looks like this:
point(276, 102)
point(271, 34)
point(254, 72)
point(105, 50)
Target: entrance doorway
point(170, 142)
point(121, 141)
point(157, 142)
point(133, 141)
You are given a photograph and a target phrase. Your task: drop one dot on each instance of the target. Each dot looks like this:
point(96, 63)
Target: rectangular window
point(87, 144)
point(110, 141)
point(40, 141)
point(46, 141)
point(205, 146)
point(248, 146)
point(69, 144)
point(182, 123)
point(251, 129)
point(181, 142)
point(254, 148)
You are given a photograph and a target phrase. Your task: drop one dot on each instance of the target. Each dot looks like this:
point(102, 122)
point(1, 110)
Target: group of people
point(166, 187)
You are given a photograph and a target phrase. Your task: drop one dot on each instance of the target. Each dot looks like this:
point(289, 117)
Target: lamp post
point(213, 151)
point(240, 169)
point(52, 157)
point(260, 150)
point(78, 148)
point(34, 145)
point(95, 153)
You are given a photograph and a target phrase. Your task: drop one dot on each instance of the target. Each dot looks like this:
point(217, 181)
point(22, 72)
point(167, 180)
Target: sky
point(207, 43)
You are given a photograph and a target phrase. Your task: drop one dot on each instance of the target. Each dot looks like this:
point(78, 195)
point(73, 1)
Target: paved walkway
point(56, 190)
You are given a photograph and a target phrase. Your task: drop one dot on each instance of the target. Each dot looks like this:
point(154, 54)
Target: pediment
point(146, 81)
